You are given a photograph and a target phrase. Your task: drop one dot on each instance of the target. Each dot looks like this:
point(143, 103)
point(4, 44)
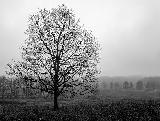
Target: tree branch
point(65, 81)
point(45, 44)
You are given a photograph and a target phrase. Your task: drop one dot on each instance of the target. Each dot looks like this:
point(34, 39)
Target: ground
point(111, 106)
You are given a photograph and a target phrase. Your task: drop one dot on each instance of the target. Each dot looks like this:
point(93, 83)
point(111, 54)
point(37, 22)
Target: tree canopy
point(58, 55)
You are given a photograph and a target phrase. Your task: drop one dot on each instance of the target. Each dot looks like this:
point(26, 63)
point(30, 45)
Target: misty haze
point(64, 60)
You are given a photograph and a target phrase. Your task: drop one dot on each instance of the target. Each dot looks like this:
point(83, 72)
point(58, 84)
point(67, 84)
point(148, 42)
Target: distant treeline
point(148, 83)
point(14, 88)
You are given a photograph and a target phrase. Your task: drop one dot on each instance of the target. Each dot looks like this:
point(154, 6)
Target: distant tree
point(59, 55)
point(3, 86)
point(126, 85)
point(116, 85)
point(15, 88)
point(131, 85)
point(18, 86)
point(150, 85)
point(111, 85)
point(139, 85)
point(104, 84)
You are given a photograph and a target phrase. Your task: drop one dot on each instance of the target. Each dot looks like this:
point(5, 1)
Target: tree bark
point(56, 92)
point(55, 102)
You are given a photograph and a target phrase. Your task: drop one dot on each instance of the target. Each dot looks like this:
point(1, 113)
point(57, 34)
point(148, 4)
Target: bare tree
point(59, 55)
point(116, 85)
point(126, 85)
point(111, 85)
point(139, 85)
point(131, 85)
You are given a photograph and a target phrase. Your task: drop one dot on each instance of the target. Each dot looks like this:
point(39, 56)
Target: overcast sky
point(128, 31)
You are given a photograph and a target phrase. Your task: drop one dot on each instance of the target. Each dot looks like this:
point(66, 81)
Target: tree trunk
point(55, 102)
point(56, 92)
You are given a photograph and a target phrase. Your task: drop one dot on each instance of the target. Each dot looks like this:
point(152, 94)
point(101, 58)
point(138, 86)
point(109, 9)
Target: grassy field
point(103, 107)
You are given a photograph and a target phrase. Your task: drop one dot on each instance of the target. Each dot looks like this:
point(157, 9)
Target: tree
point(150, 85)
point(126, 85)
point(111, 85)
point(104, 84)
point(2, 86)
point(139, 85)
point(116, 85)
point(131, 85)
point(59, 55)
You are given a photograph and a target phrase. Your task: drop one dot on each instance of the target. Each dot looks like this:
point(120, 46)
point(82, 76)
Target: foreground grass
point(85, 110)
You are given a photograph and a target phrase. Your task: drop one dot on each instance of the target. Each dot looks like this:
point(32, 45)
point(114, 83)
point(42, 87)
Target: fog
point(128, 31)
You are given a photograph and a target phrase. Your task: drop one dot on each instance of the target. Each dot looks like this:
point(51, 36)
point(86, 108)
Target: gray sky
point(128, 31)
